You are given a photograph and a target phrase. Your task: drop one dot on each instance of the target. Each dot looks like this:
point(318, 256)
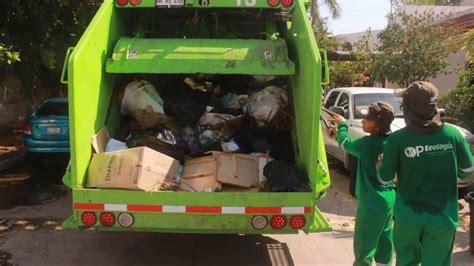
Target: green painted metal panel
point(134, 55)
point(307, 91)
point(198, 223)
point(90, 87)
point(211, 4)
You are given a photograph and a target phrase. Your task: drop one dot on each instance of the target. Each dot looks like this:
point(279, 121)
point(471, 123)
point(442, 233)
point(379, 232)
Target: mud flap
point(318, 223)
point(70, 223)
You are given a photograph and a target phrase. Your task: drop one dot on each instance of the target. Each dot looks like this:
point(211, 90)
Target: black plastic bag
point(284, 177)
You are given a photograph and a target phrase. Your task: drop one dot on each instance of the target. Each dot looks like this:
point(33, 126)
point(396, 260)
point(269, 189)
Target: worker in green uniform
point(373, 225)
point(427, 156)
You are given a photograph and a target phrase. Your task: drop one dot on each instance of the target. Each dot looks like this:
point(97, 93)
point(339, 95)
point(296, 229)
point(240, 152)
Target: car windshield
point(363, 101)
point(53, 108)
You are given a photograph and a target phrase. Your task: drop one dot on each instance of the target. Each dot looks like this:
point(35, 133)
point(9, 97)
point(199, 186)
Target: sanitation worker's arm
point(353, 146)
point(388, 170)
point(464, 158)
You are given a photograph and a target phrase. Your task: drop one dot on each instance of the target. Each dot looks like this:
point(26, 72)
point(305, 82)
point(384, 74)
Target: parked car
point(353, 104)
point(47, 129)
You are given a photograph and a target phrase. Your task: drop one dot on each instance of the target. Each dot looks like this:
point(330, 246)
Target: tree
point(357, 72)
point(414, 48)
point(333, 6)
point(38, 33)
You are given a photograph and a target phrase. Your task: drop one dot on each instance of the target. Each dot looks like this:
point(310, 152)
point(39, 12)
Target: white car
point(353, 104)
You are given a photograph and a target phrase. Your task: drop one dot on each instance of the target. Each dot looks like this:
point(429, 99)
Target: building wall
point(467, 3)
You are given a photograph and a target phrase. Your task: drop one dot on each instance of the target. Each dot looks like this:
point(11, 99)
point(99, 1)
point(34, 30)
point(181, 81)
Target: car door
point(343, 101)
point(328, 134)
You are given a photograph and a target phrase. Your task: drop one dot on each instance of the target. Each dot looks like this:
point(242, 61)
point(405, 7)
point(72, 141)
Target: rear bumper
point(195, 212)
point(46, 146)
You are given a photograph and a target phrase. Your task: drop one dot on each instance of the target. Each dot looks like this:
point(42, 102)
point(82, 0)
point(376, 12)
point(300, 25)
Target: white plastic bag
point(265, 104)
point(138, 95)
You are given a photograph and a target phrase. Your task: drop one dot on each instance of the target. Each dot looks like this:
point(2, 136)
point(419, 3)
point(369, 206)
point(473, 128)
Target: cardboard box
point(136, 169)
point(237, 169)
point(200, 175)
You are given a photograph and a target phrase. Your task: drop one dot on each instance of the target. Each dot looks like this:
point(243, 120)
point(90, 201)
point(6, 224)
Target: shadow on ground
point(104, 248)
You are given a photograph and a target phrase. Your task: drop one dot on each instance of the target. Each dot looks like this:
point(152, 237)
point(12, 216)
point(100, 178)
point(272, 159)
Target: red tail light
point(287, 3)
point(135, 2)
point(297, 221)
point(26, 128)
point(107, 218)
point(278, 222)
point(88, 218)
point(273, 3)
point(122, 2)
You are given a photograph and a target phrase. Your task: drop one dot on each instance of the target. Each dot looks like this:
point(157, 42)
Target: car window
point(343, 101)
point(53, 108)
point(332, 99)
point(363, 101)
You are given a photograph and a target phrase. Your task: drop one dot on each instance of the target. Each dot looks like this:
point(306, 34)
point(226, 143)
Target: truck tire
point(352, 175)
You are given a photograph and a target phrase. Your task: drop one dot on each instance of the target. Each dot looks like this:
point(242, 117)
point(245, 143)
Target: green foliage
point(7, 56)
point(324, 37)
point(39, 32)
point(357, 72)
point(468, 45)
point(414, 48)
point(459, 102)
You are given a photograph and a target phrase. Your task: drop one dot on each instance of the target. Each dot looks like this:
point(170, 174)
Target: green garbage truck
point(218, 37)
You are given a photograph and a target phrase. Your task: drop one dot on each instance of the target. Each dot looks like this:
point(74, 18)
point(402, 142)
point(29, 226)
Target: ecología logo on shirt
point(412, 152)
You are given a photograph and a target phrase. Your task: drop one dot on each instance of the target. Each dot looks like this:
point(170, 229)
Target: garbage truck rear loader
point(218, 37)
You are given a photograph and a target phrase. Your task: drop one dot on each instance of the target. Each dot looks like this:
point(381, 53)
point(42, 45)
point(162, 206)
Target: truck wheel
point(352, 175)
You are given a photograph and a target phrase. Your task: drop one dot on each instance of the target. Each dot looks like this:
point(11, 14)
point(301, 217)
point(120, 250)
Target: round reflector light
point(135, 2)
point(125, 219)
point(287, 3)
point(107, 218)
point(259, 222)
point(273, 3)
point(88, 218)
point(122, 2)
point(297, 221)
point(278, 221)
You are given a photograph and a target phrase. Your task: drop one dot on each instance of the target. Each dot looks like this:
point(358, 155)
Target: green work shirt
point(427, 167)
point(370, 190)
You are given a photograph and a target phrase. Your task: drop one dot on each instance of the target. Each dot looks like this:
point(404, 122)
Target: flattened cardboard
point(200, 175)
point(99, 140)
point(237, 169)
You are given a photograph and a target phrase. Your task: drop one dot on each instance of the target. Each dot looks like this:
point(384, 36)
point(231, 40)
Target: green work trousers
point(426, 244)
point(373, 236)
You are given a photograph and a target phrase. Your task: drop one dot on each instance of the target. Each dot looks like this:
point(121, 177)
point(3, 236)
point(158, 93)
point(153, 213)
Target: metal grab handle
point(66, 60)
point(325, 81)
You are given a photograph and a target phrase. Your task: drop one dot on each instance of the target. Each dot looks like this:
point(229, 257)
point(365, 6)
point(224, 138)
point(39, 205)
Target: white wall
point(467, 3)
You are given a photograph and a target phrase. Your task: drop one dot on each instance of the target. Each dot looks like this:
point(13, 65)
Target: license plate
point(169, 3)
point(53, 130)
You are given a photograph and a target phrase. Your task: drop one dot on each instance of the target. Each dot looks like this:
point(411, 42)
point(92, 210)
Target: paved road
point(33, 238)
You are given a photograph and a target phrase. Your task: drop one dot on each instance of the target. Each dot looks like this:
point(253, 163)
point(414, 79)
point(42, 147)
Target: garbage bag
point(232, 101)
point(284, 177)
point(213, 119)
point(161, 140)
point(266, 104)
point(138, 95)
point(149, 119)
point(190, 136)
point(210, 137)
